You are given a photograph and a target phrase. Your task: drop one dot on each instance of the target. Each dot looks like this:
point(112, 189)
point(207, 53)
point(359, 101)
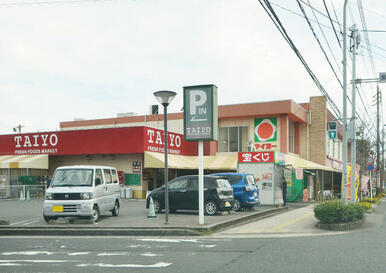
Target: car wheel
point(237, 205)
point(115, 211)
point(48, 218)
point(157, 206)
point(95, 214)
point(210, 208)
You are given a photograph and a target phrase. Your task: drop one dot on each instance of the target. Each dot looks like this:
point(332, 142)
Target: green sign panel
point(200, 113)
point(265, 129)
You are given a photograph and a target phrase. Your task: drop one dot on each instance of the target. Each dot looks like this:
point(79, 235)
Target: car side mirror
point(98, 181)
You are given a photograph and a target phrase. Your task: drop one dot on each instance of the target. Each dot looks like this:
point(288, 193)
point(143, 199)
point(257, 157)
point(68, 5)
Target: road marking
point(291, 222)
point(161, 264)
point(26, 222)
point(39, 261)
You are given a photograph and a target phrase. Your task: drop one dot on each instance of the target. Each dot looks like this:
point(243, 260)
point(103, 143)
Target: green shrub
point(366, 205)
point(375, 198)
point(337, 212)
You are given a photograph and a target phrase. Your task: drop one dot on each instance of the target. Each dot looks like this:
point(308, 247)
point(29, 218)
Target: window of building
point(233, 139)
point(291, 137)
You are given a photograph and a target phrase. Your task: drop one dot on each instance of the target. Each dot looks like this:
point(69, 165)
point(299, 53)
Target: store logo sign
point(36, 140)
point(265, 129)
point(155, 142)
point(36, 144)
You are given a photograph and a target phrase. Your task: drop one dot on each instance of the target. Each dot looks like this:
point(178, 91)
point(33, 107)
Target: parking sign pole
point(201, 182)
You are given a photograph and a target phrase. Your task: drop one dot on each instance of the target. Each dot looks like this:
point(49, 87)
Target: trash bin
point(128, 193)
point(123, 193)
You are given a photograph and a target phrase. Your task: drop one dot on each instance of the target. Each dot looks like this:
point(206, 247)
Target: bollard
point(151, 210)
point(28, 197)
point(21, 196)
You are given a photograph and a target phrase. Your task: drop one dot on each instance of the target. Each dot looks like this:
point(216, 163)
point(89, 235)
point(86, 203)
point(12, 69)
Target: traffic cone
point(21, 196)
point(28, 197)
point(151, 210)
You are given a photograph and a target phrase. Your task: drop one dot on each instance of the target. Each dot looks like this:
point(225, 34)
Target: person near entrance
point(284, 190)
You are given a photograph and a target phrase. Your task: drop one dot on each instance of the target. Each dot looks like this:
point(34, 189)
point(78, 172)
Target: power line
point(320, 45)
point(364, 26)
point(272, 14)
point(285, 35)
point(332, 23)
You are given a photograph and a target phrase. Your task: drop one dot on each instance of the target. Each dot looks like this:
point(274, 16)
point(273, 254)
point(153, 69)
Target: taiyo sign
point(265, 129)
point(200, 113)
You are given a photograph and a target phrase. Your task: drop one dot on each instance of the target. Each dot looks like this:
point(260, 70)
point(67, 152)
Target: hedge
point(336, 212)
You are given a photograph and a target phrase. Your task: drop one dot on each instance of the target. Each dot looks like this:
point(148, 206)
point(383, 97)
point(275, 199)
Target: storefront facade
point(122, 148)
point(295, 133)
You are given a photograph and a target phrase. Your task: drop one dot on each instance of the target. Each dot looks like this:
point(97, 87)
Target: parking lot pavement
point(27, 215)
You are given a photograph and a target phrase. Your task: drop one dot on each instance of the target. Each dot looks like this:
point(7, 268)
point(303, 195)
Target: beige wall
point(317, 130)
point(303, 141)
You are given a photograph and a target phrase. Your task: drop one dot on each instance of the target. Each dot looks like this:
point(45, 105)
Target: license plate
point(57, 208)
point(227, 204)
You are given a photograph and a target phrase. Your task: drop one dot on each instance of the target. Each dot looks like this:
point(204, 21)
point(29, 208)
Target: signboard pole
point(201, 182)
point(200, 124)
point(371, 187)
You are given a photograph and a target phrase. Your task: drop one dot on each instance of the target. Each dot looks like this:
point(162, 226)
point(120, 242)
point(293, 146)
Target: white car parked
point(82, 191)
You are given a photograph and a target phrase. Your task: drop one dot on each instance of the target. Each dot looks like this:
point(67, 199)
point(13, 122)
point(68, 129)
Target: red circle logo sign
point(265, 130)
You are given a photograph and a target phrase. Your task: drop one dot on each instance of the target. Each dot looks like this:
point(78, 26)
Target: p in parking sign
point(200, 113)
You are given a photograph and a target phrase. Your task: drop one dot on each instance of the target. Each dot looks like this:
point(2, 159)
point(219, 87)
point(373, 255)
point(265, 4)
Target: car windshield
point(222, 183)
point(233, 179)
point(72, 177)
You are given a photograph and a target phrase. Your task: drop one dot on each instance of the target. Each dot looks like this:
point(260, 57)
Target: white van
point(82, 191)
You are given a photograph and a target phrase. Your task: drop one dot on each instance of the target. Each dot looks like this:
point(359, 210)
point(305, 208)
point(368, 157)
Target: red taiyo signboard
point(128, 140)
point(154, 142)
point(256, 157)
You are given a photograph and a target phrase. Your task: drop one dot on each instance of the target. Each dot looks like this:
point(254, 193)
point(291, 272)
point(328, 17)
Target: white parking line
point(26, 222)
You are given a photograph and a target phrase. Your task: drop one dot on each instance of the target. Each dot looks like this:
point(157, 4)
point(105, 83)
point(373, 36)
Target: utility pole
point(378, 138)
point(354, 45)
point(383, 158)
point(344, 62)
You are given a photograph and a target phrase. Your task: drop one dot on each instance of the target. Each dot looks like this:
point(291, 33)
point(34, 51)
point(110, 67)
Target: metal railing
point(22, 192)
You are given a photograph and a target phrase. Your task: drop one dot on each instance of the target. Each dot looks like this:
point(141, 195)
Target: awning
point(298, 162)
point(24, 161)
point(218, 162)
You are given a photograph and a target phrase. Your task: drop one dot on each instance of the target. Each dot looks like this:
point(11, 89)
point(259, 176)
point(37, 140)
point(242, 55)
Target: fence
point(22, 191)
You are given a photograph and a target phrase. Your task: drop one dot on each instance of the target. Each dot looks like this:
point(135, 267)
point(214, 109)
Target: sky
point(69, 59)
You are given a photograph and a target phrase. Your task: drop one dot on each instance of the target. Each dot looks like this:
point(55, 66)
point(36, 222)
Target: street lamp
point(165, 98)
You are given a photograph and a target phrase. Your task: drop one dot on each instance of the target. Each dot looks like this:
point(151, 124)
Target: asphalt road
point(357, 251)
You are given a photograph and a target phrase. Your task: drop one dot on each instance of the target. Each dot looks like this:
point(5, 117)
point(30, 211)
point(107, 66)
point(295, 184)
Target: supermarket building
point(296, 133)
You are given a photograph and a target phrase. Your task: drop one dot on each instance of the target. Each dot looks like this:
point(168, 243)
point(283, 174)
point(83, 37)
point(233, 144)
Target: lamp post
point(165, 98)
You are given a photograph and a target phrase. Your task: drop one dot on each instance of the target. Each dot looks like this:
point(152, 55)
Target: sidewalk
point(25, 218)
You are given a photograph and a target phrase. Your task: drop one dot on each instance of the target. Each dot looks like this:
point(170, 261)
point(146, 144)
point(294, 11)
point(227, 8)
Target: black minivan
point(183, 195)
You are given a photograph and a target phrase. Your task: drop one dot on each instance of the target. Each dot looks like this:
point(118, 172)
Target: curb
point(342, 226)
point(138, 231)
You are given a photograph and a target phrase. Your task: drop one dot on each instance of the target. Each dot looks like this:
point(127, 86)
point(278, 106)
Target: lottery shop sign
point(256, 157)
